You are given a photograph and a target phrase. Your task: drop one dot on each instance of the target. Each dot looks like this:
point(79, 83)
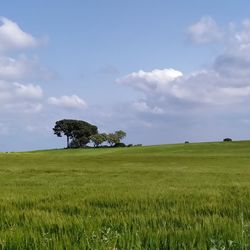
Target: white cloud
point(158, 79)
point(213, 86)
point(204, 87)
point(68, 102)
point(13, 91)
point(142, 106)
point(29, 91)
point(243, 36)
point(204, 31)
point(18, 93)
point(23, 68)
point(225, 82)
point(20, 98)
point(13, 37)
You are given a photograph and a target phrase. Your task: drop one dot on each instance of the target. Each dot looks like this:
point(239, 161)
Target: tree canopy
point(80, 133)
point(98, 139)
point(115, 138)
point(77, 132)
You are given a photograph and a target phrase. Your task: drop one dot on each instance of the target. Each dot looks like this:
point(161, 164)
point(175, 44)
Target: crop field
point(184, 196)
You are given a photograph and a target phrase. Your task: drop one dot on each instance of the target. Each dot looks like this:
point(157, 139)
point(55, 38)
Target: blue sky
point(163, 71)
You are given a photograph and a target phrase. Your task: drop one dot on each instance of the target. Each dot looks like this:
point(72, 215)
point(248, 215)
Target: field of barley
point(183, 196)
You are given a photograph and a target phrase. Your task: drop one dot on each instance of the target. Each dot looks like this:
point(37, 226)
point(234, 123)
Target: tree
point(98, 139)
point(77, 132)
point(227, 139)
point(79, 142)
point(120, 135)
point(112, 139)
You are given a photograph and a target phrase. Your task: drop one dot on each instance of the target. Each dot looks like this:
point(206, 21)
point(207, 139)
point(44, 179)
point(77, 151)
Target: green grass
point(189, 196)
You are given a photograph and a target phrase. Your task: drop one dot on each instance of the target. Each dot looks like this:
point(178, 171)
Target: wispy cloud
point(68, 102)
point(205, 30)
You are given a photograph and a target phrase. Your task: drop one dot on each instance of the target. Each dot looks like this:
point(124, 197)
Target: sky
point(163, 71)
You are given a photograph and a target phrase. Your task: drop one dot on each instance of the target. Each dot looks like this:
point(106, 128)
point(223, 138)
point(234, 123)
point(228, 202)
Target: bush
point(120, 145)
point(227, 139)
point(186, 142)
point(130, 145)
point(138, 145)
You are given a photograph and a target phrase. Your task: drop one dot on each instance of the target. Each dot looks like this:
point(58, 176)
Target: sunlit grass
point(192, 196)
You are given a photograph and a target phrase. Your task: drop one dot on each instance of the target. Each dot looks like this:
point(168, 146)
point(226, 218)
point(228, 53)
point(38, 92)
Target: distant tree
point(77, 132)
point(120, 135)
point(75, 143)
point(98, 139)
point(227, 139)
point(78, 142)
point(112, 139)
point(115, 138)
point(120, 145)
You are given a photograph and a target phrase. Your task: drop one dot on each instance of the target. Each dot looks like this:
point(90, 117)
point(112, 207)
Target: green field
point(189, 196)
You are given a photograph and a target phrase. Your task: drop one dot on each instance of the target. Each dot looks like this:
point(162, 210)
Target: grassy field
point(189, 196)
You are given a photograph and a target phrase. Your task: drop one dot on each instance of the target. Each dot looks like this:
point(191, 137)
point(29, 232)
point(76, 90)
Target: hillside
point(183, 196)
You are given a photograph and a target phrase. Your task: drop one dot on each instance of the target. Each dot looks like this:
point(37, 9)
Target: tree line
point(79, 133)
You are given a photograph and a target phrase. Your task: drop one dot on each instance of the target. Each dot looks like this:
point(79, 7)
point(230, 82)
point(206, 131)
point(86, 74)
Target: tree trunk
point(67, 141)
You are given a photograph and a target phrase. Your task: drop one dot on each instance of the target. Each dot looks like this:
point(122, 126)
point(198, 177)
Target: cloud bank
point(198, 100)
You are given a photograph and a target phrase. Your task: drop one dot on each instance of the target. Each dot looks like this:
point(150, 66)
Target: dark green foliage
point(79, 142)
point(77, 132)
point(120, 145)
point(227, 139)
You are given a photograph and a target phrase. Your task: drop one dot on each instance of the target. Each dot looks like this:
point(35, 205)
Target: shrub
point(186, 142)
point(130, 145)
point(227, 139)
point(120, 145)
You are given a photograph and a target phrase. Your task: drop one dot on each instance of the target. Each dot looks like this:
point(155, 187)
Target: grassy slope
point(157, 197)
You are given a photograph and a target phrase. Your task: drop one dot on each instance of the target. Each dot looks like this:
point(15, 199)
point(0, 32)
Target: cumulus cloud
point(17, 98)
point(13, 37)
point(224, 83)
point(204, 31)
point(233, 66)
point(68, 102)
point(18, 92)
point(156, 80)
point(204, 87)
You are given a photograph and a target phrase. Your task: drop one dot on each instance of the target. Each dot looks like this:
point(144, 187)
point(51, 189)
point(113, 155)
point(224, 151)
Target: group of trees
point(80, 133)
point(112, 139)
